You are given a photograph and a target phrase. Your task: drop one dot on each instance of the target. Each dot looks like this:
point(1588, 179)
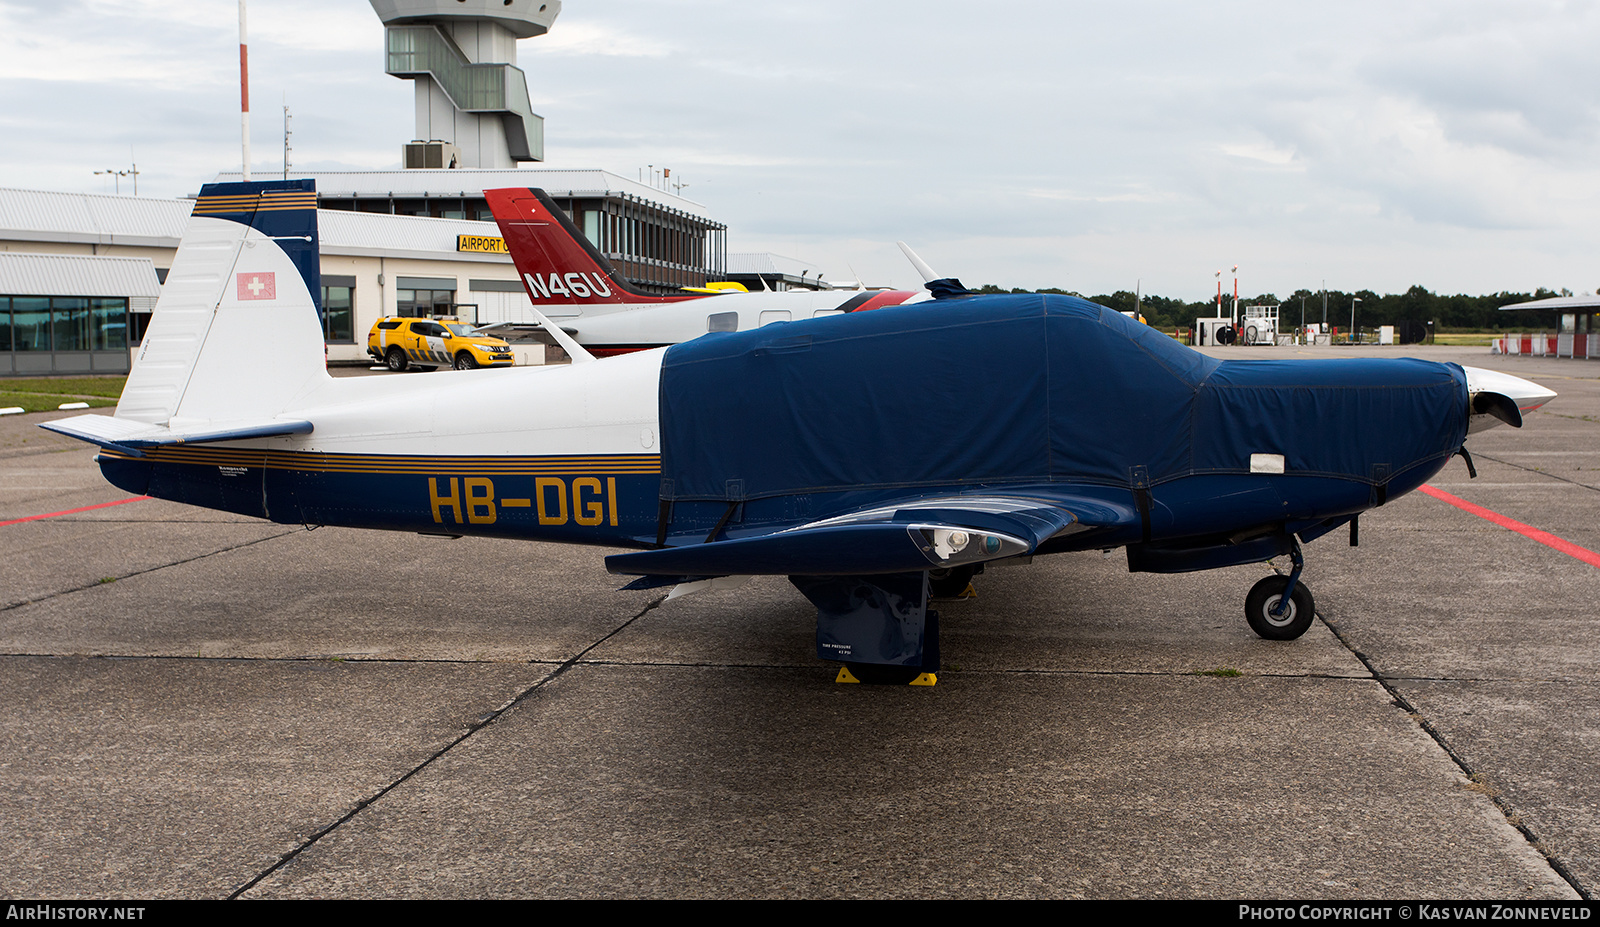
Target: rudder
point(237, 332)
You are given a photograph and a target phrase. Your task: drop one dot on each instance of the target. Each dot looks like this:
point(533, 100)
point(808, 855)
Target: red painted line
point(1511, 524)
point(87, 508)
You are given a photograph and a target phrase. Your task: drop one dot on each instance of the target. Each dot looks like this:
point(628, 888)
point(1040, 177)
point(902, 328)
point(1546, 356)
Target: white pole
point(244, 92)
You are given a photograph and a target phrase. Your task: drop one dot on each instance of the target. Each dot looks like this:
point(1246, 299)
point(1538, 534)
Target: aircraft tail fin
point(237, 333)
point(558, 263)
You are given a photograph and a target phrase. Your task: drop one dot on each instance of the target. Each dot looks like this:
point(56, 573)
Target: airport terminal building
point(80, 273)
point(393, 243)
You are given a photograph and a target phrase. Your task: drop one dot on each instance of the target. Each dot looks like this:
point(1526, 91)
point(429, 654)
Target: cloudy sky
point(1449, 143)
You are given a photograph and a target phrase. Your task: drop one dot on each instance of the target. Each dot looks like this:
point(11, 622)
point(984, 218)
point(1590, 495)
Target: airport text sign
point(481, 243)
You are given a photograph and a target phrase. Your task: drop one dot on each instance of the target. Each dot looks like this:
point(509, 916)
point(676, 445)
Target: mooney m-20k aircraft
point(573, 284)
point(855, 454)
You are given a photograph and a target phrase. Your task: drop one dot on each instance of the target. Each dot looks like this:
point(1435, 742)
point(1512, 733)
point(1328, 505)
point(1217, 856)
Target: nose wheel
point(1280, 608)
point(1291, 620)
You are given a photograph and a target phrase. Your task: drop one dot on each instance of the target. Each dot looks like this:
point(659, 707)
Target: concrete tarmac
point(207, 706)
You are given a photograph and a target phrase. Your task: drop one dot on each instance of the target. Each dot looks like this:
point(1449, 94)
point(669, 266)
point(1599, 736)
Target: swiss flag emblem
point(259, 285)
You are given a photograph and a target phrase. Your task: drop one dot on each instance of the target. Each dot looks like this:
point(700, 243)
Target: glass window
point(109, 321)
point(30, 323)
point(722, 322)
point(5, 323)
point(337, 313)
point(422, 303)
point(69, 317)
point(768, 316)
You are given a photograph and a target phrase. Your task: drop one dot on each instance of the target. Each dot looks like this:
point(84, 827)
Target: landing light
point(949, 546)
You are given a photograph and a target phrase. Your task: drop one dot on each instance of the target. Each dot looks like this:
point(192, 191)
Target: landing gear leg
point(879, 626)
point(1280, 608)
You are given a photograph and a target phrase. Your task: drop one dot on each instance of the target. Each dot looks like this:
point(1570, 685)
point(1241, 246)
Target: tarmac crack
point(1512, 816)
point(471, 730)
point(101, 582)
point(1538, 471)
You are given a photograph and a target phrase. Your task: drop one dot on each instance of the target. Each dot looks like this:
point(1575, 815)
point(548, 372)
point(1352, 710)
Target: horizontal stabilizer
point(129, 436)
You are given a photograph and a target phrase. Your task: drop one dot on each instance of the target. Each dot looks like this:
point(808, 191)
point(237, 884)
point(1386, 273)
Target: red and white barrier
point(1568, 344)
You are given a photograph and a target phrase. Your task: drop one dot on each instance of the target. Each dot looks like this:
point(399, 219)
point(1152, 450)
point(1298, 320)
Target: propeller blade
point(1500, 397)
point(1500, 406)
point(928, 276)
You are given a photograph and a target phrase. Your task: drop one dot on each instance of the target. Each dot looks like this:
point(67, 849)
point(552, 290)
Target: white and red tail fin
point(236, 338)
point(558, 264)
point(237, 333)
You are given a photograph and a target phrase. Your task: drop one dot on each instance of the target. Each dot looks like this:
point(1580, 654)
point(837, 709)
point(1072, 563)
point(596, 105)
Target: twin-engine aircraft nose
point(1500, 397)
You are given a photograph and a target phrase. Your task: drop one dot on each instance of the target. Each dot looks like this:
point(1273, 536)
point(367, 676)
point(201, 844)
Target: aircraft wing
point(925, 533)
point(128, 436)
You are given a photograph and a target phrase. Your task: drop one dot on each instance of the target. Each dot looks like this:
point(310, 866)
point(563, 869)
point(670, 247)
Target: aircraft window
point(768, 316)
point(722, 322)
point(823, 312)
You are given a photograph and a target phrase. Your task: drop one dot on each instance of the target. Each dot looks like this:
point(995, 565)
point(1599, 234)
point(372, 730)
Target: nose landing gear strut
point(1280, 608)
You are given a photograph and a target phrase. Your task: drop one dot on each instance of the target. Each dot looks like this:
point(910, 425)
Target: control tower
point(472, 99)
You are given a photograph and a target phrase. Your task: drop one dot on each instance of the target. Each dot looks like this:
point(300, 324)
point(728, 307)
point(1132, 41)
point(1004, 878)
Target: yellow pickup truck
point(429, 343)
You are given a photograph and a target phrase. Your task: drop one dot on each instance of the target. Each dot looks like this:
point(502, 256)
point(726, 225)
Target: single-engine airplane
point(571, 282)
point(859, 455)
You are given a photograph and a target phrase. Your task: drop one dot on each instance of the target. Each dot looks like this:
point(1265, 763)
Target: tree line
point(1449, 313)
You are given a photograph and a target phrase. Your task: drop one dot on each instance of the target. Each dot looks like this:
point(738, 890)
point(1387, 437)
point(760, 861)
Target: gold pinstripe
point(312, 462)
point(262, 202)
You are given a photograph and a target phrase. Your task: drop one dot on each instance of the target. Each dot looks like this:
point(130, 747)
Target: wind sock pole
point(244, 92)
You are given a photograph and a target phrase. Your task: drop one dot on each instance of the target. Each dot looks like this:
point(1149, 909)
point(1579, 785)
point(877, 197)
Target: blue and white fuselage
point(858, 454)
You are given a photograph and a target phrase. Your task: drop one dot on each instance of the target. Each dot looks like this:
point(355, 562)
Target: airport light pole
point(1235, 312)
point(1353, 334)
point(121, 174)
point(244, 94)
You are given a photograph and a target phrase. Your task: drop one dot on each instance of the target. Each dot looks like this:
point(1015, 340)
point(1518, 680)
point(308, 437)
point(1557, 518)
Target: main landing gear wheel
point(396, 359)
point(1296, 618)
point(465, 361)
